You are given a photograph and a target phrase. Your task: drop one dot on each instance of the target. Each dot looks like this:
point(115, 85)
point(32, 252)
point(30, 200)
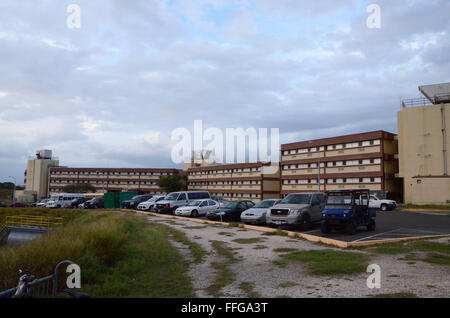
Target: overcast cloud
point(110, 93)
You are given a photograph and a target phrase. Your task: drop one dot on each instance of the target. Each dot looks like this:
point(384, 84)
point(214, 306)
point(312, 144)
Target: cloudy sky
point(109, 94)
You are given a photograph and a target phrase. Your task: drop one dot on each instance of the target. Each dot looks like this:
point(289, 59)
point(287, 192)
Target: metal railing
point(31, 220)
point(423, 101)
point(45, 287)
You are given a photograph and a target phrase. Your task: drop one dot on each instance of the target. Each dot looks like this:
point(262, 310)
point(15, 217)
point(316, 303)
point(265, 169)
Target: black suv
point(231, 211)
point(95, 203)
point(133, 203)
point(75, 202)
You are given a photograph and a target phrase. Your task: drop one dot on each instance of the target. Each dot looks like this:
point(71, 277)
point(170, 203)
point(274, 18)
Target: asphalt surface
point(393, 224)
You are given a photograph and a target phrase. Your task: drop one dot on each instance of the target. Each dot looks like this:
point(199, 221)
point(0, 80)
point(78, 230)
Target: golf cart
point(346, 210)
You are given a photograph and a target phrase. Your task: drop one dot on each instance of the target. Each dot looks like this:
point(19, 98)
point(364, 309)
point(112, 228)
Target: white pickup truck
point(383, 205)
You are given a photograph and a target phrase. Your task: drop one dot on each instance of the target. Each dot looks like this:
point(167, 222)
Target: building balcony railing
point(422, 101)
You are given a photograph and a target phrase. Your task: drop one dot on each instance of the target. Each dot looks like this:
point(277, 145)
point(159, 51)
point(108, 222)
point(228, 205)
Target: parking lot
point(391, 225)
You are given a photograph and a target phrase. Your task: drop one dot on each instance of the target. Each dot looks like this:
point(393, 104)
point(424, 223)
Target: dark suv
point(95, 203)
point(133, 203)
point(231, 211)
point(75, 202)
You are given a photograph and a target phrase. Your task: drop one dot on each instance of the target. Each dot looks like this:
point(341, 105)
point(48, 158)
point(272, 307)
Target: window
point(182, 196)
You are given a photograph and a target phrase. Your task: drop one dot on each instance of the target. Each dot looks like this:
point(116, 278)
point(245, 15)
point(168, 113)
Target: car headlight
point(294, 211)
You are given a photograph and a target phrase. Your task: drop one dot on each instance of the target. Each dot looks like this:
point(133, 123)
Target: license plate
point(278, 222)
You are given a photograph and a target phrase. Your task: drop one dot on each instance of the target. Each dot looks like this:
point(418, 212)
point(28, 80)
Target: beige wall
point(420, 153)
point(427, 190)
point(37, 176)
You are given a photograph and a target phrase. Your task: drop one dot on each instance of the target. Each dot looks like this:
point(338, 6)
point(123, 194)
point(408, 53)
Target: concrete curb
point(423, 210)
point(308, 237)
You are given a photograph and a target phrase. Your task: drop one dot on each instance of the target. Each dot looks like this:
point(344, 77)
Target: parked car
point(221, 200)
point(95, 203)
point(134, 202)
point(76, 202)
point(149, 205)
point(19, 205)
point(2, 204)
point(175, 200)
point(382, 204)
point(62, 200)
point(347, 210)
point(230, 212)
point(257, 214)
point(197, 208)
point(297, 209)
point(42, 203)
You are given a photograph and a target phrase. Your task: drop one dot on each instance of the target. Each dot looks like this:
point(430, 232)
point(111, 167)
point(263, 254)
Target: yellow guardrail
point(31, 220)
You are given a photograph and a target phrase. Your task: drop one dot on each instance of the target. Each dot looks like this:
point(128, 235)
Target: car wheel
point(305, 223)
point(384, 207)
point(350, 228)
point(194, 214)
point(325, 228)
point(372, 225)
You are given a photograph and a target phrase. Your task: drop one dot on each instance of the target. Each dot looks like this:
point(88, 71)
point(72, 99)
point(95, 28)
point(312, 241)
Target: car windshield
point(171, 197)
point(264, 204)
point(194, 203)
point(231, 205)
point(56, 198)
point(339, 199)
point(297, 199)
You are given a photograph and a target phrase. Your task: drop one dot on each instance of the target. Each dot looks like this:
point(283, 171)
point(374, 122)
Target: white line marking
point(363, 238)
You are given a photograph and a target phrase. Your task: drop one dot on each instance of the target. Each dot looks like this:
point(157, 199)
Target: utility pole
point(318, 165)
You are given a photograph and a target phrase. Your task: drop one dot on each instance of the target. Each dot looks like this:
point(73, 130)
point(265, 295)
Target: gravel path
point(258, 271)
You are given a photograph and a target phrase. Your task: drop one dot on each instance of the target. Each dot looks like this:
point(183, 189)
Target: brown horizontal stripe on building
point(230, 166)
point(226, 179)
point(367, 136)
point(425, 177)
point(371, 174)
point(373, 155)
point(67, 169)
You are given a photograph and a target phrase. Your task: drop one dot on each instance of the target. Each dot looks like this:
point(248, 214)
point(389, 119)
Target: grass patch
point(260, 247)
point(120, 255)
point(277, 232)
point(280, 264)
point(329, 262)
point(195, 227)
point(224, 276)
point(249, 240)
point(395, 295)
point(285, 250)
point(435, 258)
point(287, 285)
point(428, 246)
point(392, 249)
point(198, 253)
point(232, 224)
point(229, 234)
point(249, 289)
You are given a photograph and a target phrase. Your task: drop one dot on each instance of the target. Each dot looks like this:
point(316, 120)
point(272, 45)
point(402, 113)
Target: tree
point(172, 183)
point(79, 188)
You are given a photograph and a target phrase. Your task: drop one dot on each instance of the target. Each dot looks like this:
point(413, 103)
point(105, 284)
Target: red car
point(19, 205)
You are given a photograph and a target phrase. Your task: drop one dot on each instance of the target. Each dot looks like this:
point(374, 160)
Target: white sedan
point(197, 207)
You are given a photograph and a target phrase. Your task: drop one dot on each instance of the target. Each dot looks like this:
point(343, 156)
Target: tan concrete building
point(241, 181)
point(358, 161)
point(141, 180)
point(36, 175)
point(423, 126)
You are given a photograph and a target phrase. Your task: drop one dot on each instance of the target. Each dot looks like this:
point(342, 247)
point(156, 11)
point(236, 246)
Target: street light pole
point(14, 189)
point(318, 165)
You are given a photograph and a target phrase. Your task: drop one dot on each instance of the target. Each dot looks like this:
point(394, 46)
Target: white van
point(63, 200)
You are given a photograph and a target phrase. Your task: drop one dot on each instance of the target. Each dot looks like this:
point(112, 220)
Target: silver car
point(257, 214)
point(297, 209)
